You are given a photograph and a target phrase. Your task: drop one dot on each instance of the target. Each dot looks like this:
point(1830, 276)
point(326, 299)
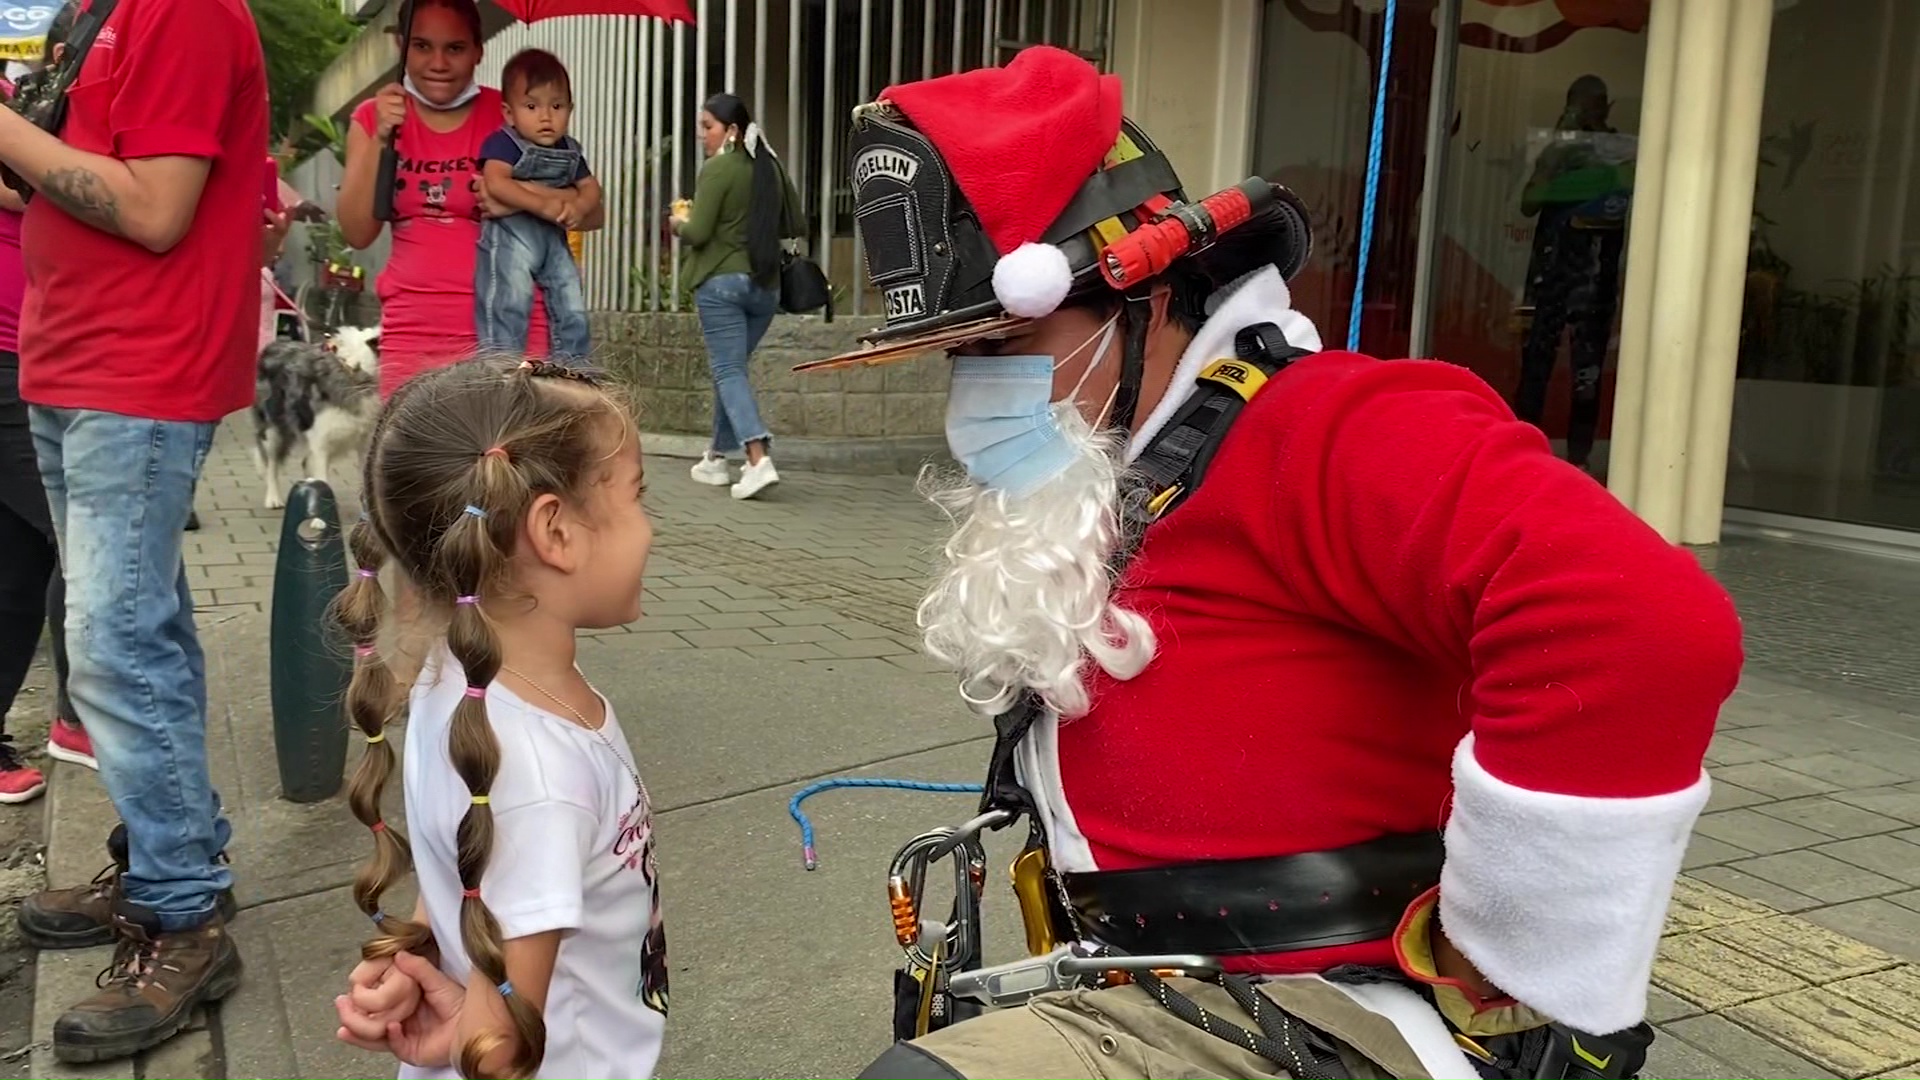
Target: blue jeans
point(516, 252)
point(734, 316)
point(120, 489)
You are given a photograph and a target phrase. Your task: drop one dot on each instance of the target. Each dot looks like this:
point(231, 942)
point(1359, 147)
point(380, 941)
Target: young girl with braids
point(503, 500)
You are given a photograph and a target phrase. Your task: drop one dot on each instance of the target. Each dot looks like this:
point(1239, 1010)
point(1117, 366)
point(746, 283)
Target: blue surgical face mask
point(1001, 422)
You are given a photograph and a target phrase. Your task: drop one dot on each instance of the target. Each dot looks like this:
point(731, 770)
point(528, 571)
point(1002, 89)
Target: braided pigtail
point(458, 458)
point(372, 700)
point(474, 560)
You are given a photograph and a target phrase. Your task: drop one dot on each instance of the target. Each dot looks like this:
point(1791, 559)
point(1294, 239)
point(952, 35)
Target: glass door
point(1526, 253)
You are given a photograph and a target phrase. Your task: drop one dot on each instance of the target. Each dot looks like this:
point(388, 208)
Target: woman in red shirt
point(442, 116)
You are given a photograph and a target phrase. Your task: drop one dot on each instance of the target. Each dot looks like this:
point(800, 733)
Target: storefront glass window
point(1826, 418)
point(1541, 146)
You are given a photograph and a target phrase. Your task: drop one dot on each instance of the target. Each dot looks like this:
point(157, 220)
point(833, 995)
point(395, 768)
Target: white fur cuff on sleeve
point(1559, 899)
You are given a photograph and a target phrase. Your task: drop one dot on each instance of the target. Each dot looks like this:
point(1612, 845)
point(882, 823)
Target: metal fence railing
point(638, 87)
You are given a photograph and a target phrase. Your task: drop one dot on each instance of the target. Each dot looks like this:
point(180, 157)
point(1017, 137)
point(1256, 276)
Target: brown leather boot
point(82, 917)
point(149, 993)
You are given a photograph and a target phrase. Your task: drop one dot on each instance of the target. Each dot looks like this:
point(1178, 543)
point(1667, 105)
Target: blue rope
point(806, 825)
point(1372, 194)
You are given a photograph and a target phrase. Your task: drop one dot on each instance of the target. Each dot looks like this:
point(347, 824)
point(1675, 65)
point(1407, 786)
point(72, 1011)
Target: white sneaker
point(712, 471)
point(756, 478)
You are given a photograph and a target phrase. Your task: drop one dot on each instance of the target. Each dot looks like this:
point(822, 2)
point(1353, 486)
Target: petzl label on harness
point(1238, 376)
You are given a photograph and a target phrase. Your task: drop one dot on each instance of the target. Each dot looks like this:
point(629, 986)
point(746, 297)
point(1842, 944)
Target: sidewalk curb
point(77, 806)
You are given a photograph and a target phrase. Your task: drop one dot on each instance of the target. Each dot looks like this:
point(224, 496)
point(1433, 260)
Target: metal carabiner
point(906, 879)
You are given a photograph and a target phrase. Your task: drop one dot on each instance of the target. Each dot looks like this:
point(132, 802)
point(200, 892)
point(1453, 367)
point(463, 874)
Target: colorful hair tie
point(506, 988)
point(366, 573)
point(476, 691)
point(481, 800)
point(474, 511)
point(363, 651)
point(495, 451)
point(378, 917)
point(378, 826)
point(470, 894)
point(472, 600)
point(378, 736)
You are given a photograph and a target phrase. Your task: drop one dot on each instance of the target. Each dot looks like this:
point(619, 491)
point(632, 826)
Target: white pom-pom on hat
point(1032, 280)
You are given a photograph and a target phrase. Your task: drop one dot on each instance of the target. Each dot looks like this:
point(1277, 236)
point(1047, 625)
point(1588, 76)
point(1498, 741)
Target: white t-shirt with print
point(573, 851)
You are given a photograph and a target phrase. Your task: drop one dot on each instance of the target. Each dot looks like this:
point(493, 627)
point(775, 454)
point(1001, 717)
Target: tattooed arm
point(149, 201)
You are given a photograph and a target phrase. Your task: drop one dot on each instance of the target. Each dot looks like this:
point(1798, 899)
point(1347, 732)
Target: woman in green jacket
point(743, 206)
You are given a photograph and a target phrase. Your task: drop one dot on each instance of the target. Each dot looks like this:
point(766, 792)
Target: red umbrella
point(530, 11)
point(527, 11)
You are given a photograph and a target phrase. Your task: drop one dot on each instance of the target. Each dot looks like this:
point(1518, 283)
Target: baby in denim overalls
point(532, 166)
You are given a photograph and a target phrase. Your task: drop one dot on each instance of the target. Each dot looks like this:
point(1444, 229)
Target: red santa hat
point(1020, 141)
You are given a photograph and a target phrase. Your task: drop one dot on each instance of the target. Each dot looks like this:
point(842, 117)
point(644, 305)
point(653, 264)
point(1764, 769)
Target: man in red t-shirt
point(139, 334)
point(1391, 716)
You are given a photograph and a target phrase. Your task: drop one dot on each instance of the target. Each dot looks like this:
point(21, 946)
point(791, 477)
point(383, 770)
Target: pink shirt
point(13, 269)
point(13, 281)
point(426, 290)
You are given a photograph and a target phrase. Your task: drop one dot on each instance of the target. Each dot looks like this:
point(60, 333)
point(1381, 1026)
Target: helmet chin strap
point(1135, 316)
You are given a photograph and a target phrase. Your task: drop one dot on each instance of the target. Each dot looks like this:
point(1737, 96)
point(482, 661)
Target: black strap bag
point(42, 97)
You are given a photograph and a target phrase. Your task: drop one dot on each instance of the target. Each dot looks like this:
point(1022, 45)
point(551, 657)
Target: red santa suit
point(1389, 608)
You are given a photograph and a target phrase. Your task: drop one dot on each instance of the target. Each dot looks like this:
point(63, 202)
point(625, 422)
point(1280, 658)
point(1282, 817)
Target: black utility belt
point(1249, 907)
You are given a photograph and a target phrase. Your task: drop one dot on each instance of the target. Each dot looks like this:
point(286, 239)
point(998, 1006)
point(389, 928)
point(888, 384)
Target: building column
point(1686, 261)
point(1190, 74)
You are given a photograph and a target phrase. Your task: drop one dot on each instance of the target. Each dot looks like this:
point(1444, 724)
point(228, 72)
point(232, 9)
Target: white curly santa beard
point(1025, 596)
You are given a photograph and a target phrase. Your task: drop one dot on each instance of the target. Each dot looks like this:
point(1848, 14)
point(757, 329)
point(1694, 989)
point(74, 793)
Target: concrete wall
point(1189, 71)
point(883, 419)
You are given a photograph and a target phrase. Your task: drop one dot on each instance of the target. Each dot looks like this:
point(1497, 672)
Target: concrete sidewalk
point(778, 647)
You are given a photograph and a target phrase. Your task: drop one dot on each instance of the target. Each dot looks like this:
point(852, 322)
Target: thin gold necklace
point(596, 732)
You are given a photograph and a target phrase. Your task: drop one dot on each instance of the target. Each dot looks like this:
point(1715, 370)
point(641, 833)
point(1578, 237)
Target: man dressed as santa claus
point(1395, 718)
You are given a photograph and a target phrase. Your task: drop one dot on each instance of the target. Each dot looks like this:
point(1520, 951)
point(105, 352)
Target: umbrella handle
point(383, 180)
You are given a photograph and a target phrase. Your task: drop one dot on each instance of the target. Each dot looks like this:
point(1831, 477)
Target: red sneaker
point(67, 741)
point(18, 781)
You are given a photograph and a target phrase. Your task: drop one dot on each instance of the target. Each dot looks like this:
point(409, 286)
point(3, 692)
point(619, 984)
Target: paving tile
point(1902, 801)
point(1706, 851)
point(807, 617)
point(1813, 952)
point(1842, 771)
point(1676, 1059)
point(1828, 815)
point(1882, 923)
point(1730, 796)
point(1888, 855)
point(1895, 993)
point(1756, 832)
point(1697, 905)
point(1820, 876)
point(871, 647)
point(1663, 1007)
point(1727, 749)
point(793, 635)
point(650, 621)
point(861, 630)
point(1909, 900)
point(721, 639)
point(1694, 968)
point(1753, 1055)
point(799, 650)
point(1774, 782)
point(676, 607)
point(732, 620)
point(654, 639)
point(1741, 883)
point(1833, 1031)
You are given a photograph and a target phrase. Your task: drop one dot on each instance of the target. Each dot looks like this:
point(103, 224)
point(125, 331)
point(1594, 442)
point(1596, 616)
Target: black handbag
point(803, 286)
point(42, 97)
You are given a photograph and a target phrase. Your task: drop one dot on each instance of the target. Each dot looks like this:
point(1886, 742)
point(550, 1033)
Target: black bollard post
point(310, 661)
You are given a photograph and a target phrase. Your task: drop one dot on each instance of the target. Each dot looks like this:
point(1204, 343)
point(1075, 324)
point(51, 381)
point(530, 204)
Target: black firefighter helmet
point(991, 197)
